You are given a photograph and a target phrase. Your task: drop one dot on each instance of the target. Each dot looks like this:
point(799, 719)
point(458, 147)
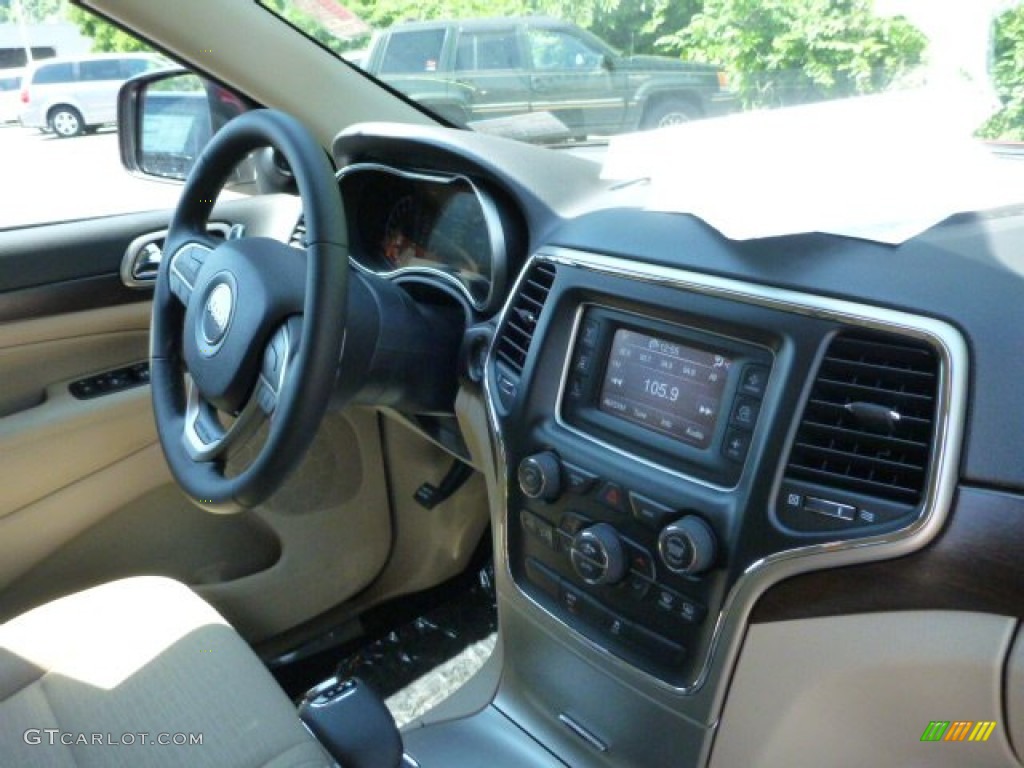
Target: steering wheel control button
point(649, 512)
point(266, 399)
point(597, 555)
point(736, 445)
point(540, 476)
point(744, 413)
point(577, 480)
point(687, 546)
point(613, 497)
point(754, 380)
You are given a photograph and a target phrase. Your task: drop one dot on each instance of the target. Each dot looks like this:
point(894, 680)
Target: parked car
point(72, 96)
point(10, 83)
point(478, 69)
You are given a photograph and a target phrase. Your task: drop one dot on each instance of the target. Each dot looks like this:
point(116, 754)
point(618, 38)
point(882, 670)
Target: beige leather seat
point(99, 678)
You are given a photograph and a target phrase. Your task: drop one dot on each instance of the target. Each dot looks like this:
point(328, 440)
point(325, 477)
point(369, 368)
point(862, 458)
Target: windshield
point(558, 73)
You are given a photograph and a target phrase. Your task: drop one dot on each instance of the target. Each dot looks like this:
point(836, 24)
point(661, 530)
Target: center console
point(623, 561)
point(645, 426)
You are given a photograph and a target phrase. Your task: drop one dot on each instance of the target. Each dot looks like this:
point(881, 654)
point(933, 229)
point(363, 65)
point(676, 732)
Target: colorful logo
point(958, 730)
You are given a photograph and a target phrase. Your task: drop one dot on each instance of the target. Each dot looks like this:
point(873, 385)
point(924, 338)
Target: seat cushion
point(103, 677)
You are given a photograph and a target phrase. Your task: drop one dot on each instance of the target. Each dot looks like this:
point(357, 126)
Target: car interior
point(721, 502)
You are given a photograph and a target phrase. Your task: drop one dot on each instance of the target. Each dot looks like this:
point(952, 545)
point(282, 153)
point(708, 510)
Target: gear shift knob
point(352, 723)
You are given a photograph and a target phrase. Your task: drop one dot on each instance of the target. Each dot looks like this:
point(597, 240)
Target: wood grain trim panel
point(975, 564)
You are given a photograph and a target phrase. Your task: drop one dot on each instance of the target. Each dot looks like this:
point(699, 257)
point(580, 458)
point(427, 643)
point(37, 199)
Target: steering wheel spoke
point(205, 438)
point(184, 269)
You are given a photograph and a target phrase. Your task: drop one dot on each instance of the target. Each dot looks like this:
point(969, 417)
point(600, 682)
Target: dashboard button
point(649, 512)
point(584, 364)
point(754, 380)
point(688, 546)
point(611, 623)
point(639, 560)
point(576, 387)
point(612, 495)
point(690, 611)
point(577, 479)
point(589, 332)
point(573, 522)
point(736, 445)
point(744, 414)
point(539, 527)
point(540, 476)
point(666, 600)
point(575, 602)
point(637, 586)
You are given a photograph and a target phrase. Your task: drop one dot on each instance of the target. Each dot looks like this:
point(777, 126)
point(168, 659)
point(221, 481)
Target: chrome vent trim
point(868, 424)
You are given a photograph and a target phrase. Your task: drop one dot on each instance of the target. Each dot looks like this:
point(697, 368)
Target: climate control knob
point(687, 546)
point(597, 555)
point(540, 476)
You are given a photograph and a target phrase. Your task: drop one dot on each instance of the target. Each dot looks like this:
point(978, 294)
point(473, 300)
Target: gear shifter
point(352, 723)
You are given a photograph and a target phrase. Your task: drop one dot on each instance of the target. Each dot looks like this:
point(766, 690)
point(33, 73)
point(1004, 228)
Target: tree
point(1008, 123)
point(33, 11)
point(795, 51)
point(105, 37)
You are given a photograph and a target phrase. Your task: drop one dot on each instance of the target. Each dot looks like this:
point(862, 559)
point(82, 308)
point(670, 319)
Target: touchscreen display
point(664, 386)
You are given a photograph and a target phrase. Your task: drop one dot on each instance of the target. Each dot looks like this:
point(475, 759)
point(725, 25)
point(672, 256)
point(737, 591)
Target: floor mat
point(405, 655)
point(437, 685)
point(415, 651)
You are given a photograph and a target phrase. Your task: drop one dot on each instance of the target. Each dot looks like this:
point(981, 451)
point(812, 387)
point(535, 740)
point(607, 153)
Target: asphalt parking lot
point(46, 179)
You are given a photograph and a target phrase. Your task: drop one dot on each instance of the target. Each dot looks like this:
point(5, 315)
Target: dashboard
point(687, 437)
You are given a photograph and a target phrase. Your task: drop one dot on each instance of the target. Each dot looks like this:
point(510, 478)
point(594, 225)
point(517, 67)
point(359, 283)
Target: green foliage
point(1008, 123)
point(313, 28)
point(105, 37)
point(34, 11)
point(635, 26)
point(795, 51)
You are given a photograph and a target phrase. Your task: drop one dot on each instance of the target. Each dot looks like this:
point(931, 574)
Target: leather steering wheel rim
point(227, 312)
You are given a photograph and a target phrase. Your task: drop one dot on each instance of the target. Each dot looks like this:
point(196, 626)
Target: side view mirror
point(607, 63)
point(166, 118)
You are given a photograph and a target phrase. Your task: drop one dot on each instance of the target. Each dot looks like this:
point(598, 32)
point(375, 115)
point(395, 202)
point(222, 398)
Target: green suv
point(490, 72)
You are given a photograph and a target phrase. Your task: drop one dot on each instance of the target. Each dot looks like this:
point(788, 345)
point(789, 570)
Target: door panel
point(87, 496)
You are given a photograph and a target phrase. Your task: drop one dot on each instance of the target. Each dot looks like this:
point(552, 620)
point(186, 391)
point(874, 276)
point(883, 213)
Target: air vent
point(521, 320)
point(868, 424)
point(298, 238)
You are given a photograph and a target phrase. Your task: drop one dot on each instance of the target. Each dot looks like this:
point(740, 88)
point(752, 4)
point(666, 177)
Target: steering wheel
point(250, 329)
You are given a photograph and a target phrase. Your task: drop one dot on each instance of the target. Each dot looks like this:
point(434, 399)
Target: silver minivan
point(10, 86)
point(71, 96)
